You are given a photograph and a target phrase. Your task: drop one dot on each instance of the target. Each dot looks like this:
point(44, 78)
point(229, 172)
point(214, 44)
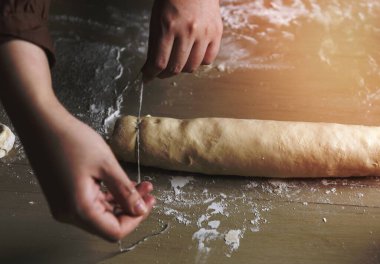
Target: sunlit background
point(286, 60)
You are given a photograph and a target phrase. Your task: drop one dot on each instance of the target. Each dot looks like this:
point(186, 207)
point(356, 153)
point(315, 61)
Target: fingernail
point(140, 207)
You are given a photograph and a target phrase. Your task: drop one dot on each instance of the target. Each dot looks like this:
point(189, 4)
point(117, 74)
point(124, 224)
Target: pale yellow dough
point(251, 147)
point(7, 139)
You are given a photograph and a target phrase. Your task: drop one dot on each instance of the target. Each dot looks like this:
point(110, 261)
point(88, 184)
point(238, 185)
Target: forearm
point(26, 90)
point(68, 157)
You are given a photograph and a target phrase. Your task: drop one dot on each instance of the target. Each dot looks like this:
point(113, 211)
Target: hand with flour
point(183, 35)
point(69, 158)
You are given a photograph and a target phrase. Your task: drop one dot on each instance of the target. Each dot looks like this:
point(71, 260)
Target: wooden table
point(301, 60)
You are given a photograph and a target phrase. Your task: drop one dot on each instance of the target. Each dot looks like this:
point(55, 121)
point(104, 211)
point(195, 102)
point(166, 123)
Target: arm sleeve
point(27, 20)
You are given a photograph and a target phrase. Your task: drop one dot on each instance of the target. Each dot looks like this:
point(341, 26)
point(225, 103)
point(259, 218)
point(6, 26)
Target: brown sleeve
point(27, 20)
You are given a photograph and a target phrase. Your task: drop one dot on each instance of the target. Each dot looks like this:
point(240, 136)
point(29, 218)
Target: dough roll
point(7, 140)
point(224, 146)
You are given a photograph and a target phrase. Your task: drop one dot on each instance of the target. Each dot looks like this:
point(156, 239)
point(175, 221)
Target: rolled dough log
point(250, 147)
point(7, 139)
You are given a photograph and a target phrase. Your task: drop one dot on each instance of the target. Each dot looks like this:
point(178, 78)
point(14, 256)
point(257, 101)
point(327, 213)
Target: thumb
point(124, 191)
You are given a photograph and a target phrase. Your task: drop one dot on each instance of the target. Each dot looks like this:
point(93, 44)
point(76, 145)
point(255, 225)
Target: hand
point(183, 35)
point(71, 160)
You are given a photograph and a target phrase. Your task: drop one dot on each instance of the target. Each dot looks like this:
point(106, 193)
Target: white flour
point(232, 239)
point(179, 182)
point(211, 213)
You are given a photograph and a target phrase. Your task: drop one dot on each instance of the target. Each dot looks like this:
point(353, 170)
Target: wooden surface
point(305, 65)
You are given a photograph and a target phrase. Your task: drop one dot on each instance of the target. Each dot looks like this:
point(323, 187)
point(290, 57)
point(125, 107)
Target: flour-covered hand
point(183, 35)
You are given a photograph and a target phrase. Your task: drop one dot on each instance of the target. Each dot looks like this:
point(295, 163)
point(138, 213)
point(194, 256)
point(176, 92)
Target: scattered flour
point(256, 221)
point(181, 217)
point(331, 191)
point(279, 186)
point(218, 208)
point(205, 235)
point(232, 239)
point(325, 182)
point(212, 213)
point(252, 185)
point(201, 219)
point(110, 120)
point(179, 182)
point(214, 224)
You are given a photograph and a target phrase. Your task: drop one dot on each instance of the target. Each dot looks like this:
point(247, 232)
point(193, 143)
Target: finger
point(150, 200)
point(158, 56)
point(108, 206)
point(211, 53)
point(104, 223)
point(124, 191)
point(106, 201)
point(196, 57)
point(178, 58)
point(94, 217)
point(108, 226)
point(129, 224)
point(117, 210)
point(109, 197)
point(144, 188)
